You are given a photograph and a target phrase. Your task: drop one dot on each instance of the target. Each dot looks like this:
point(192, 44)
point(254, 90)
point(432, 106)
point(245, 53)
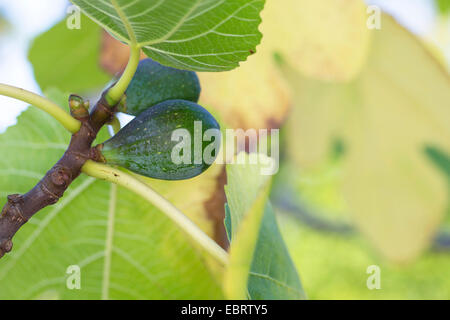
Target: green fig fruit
point(154, 83)
point(173, 140)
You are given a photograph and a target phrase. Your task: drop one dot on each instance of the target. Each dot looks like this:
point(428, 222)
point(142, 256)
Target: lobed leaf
point(198, 35)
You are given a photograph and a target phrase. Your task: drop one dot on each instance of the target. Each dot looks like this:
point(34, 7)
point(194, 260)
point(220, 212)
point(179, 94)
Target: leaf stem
point(116, 92)
point(70, 123)
point(104, 172)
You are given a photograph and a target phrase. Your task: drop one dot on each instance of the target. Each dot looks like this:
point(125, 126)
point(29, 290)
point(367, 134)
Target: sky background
point(29, 18)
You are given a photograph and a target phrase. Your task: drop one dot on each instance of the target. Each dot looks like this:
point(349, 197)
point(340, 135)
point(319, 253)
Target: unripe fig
point(154, 83)
point(167, 142)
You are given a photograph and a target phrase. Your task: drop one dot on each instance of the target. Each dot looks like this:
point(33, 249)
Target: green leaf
point(126, 248)
point(334, 267)
point(198, 35)
point(154, 83)
point(260, 266)
point(69, 59)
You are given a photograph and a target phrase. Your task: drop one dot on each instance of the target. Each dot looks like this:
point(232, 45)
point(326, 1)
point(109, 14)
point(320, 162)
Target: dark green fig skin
point(145, 145)
point(154, 83)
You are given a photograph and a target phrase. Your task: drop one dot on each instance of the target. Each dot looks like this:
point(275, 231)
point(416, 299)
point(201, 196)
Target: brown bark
point(20, 208)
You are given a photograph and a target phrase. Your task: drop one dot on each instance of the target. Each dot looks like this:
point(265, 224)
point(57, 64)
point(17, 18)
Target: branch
point(104, 172)
point(20, 208)
point(70, 123)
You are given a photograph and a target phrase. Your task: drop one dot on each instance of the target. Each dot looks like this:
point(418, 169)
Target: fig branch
point(20, 208)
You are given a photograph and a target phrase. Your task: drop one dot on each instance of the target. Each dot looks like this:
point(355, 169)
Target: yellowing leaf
point(253, 96)
point(323, 39)
point(398, 104)
point(319, 111)
point(72, 70)
point(192, 197)
point(260, 267)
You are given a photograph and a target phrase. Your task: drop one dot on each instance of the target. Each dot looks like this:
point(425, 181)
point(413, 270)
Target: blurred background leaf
point(202, 197)
point(399, 103)
point(68, 59)
point(342, 88)
point(333, 266)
